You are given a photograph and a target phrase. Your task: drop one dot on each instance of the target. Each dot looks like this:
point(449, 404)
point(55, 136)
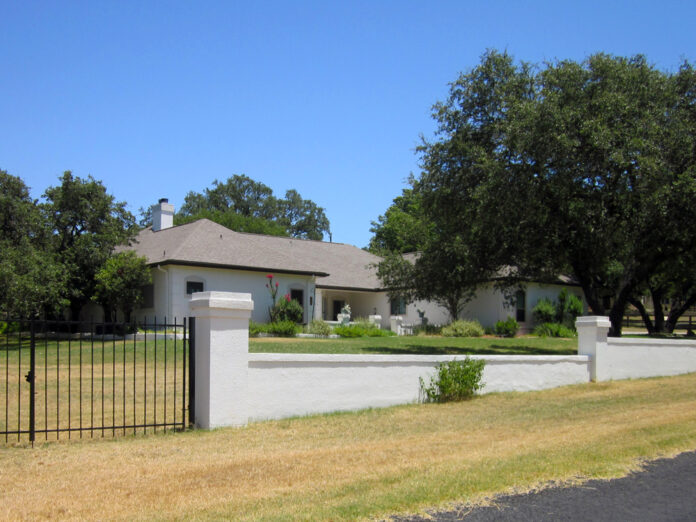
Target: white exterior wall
point(490, 305)
point(627, 358)
point(285, 385)
point(172, 301)
point(435, 313)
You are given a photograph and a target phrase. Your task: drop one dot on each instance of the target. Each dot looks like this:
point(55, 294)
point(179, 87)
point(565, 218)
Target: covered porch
point(363, 303)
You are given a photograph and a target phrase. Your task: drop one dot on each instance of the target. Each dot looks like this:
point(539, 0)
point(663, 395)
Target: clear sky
point(159, 98)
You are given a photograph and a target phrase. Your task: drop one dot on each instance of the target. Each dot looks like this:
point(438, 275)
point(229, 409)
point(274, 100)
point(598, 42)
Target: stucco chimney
point(162, 215)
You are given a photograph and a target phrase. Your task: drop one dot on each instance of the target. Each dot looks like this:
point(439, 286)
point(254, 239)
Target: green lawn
point(527, 345)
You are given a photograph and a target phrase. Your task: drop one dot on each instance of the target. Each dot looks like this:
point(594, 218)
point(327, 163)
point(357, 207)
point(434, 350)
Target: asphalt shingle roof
point(205, 243)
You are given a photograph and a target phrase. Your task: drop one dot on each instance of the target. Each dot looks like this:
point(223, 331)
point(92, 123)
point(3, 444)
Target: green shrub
point(9, 328)
point(350, 330)
point(377, 332)
point(507, 328)
point(319, 327)
point(359, 330)
point(283, 328)
point(564, 311)
point(287, 309)
point(544, 311)
point(256, 328)
point(554, 330)
point(460, 328)
point(568, 309)
point(427, 329)
point(455, 381)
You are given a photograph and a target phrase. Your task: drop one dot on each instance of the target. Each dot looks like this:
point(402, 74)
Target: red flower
point(269, 276)
point(287, 297)
point(276, 284)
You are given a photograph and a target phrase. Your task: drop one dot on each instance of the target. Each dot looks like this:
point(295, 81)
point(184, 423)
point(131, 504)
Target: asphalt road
point(664, 491)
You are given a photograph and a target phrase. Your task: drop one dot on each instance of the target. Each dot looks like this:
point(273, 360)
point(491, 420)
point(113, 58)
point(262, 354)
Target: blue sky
point(159, 98)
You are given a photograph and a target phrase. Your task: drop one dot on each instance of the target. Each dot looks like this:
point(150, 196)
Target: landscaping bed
point(419, 345)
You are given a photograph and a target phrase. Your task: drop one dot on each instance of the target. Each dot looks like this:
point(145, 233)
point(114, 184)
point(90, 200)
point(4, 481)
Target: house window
point(148, 295)
point(398, 306)
point(193, 286)
point(521, 299)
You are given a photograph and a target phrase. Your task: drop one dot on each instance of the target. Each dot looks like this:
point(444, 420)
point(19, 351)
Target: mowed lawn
point(361, 465)
point(429, 345)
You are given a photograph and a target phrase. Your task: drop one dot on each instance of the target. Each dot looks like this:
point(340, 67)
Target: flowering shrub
point(287, 309)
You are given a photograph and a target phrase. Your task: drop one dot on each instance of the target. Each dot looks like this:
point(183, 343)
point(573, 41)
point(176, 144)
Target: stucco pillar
point(222, 358)
point(592, 341)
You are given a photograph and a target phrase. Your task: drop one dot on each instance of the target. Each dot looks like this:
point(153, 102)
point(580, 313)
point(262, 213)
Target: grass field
point(435, 345)
point(361, 465)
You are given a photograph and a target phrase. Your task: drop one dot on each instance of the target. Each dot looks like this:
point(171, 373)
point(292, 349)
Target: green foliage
point(461, 328)
point(233, 221)
point(363, 329)
point(256, 328)
point(568, 309)
point(283, 328)
point(120, 281)
point(31, 276)
point(583, 169)
point(8, 327)
point(554, 330)
point(544, 311)
point(507, 328)
point(319, 327)
point(427, 329)
point(564, 311)
point(287, 309)
point(403, 227)
point(245, 205)
point(279, 328)
point(455, 381)
point(87, 225)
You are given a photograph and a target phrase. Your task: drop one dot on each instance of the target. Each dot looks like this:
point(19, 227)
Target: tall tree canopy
point(87, 224)
point(31, 278)
point(580, 168)
point(245, 205)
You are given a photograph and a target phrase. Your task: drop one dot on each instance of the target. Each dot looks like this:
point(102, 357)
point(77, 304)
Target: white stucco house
point(321, 276)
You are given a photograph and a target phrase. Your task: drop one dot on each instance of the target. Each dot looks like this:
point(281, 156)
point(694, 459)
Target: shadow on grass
point(417, 349)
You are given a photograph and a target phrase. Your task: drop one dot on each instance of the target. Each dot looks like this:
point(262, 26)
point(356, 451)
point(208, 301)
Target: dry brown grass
point(365, 464)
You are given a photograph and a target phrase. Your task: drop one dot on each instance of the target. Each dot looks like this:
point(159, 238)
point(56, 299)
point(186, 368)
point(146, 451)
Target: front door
point(337, 305)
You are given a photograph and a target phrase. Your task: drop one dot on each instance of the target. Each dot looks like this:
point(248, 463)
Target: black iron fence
point(74, 379)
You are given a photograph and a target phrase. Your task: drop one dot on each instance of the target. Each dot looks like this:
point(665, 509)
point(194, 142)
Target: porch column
point(318, 304)
point(222, 358)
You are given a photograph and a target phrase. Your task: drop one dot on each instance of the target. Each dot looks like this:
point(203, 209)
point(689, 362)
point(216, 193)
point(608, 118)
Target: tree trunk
point(657, 294)
point(677, 311)
point(644, 315)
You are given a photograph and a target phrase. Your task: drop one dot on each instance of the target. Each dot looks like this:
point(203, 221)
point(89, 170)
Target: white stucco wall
point(172, 301)
point(283, 385)
point(630, 358)
point(490, 305)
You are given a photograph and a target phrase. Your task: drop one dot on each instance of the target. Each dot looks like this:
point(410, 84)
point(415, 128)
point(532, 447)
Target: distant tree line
point(585, 169)
point(245, 205)
point(58, 254)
